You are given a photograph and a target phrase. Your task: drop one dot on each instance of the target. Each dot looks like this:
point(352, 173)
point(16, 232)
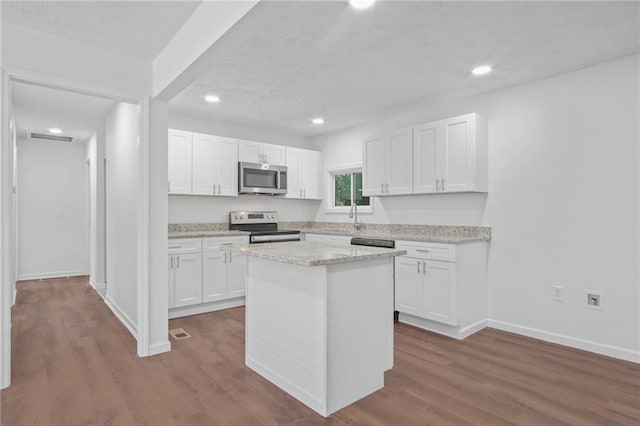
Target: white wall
point(95, 157)
point(192, 209)
point(121, 142)
point(51, 208)
point(68, 59)
point(563, 201)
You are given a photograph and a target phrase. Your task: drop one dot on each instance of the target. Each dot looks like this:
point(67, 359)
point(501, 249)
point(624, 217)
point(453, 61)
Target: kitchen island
point(319, 319)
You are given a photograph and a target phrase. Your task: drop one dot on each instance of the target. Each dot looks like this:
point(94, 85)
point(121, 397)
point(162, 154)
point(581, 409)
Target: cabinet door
point(399, 167)
point(204, 165)
point(180, 162)
point(311, 174)
point(214, 276)
point(249, 151)
point(188, 279)
point(409, 285)
point(373, 166)
point(237, 268)
point(172, 300)
point(425, 158)
point(294, 173)
point(457, 165)
point(439, 299)
point(275, 154)
point(227, 166)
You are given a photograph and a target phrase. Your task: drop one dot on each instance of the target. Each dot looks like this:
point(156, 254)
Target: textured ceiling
point(134, 28)
point(292, 61)
point(37, 109)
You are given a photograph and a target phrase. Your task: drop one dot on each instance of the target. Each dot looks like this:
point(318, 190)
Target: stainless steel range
point(262, 225)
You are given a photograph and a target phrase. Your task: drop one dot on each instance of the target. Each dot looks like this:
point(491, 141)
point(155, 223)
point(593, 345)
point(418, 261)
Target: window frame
point(330, 207)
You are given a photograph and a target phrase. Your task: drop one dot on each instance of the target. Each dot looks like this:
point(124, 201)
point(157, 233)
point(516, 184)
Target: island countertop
point(313, 253)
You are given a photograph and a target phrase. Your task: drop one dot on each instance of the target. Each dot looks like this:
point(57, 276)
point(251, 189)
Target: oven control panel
point(253, 217)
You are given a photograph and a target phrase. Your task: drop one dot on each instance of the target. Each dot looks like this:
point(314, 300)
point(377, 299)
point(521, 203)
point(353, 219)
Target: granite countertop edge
point(395, 237)
point(205, 234)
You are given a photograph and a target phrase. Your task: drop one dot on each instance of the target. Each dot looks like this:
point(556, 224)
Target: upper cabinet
point(202, 164)
point(215, 165)
point(180, 161)
point(304, 179)
point(258, 152)
point(441, 157)
point(385, 170)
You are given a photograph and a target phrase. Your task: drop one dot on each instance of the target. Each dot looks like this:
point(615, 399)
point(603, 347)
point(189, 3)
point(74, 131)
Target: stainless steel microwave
point(266, 179)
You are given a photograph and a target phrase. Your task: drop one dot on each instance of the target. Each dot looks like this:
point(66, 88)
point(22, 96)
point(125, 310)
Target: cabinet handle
point(423, 250)
point(218, 189)
point(178, 260)
point(230, 257)
point(171, 257)
point(387, 187)
point(418, 266)
point(382, 188)
point(225, 257)
point(424, 267)
point(442, 185)
point(214, 189)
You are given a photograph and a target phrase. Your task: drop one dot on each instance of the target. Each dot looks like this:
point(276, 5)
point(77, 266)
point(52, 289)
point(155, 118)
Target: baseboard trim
point(122, 316)
point(573, 342)
point(158, 348)
point(205, 308)
point(47, 275)
point(458, 333)
point(97, 285)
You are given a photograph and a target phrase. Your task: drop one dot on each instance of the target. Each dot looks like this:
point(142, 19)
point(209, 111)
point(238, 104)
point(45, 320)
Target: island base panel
point(323, 334)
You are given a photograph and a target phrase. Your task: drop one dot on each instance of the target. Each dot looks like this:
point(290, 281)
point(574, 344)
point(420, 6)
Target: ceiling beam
point(187, 55)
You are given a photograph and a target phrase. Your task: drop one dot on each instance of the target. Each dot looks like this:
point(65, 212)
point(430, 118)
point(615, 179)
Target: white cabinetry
point(215, 165)
point(202, 164)
point(442, 287)
point(304, 176)
point(387, 164)
point(445, 156)
point(223, 273)
point(185, 272)
point(258, 152)
point(180, 161)
point(203, 277)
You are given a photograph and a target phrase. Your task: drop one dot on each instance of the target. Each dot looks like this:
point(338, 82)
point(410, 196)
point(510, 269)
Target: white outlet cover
point(558, 293)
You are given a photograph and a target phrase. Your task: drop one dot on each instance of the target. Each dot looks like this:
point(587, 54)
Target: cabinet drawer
point(428, 251)
point(216, 243)
point(185, 245)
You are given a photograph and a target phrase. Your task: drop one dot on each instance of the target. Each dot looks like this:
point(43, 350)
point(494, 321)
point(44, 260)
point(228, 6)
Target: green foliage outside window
point(343, 187)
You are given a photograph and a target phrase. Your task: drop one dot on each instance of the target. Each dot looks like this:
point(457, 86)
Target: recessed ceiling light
point(361, 4)
point(318, 120)
point(55, 131)
point(481, 70)
point(212, 99)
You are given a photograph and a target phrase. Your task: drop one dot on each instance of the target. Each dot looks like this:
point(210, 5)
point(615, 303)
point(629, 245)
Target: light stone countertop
point(418, 234)
point(313, 253)
point(205, 234)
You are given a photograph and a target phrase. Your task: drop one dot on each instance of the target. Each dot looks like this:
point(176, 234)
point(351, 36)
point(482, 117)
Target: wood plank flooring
point(75, 364)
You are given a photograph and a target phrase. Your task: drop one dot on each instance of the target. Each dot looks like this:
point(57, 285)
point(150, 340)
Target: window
point(345, 189)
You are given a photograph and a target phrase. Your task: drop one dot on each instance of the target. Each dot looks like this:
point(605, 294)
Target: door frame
point(15, 74)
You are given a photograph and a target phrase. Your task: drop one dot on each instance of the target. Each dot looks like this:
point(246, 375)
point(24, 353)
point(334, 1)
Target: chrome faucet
point(356, 224)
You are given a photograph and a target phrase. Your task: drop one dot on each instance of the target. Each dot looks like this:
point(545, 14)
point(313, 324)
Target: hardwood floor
point(75, 364)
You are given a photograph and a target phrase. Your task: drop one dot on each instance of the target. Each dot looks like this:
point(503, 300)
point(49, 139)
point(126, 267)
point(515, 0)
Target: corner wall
point(563, 202)
point(121, 143)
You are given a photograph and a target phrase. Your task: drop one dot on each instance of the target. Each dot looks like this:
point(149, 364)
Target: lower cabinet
point(442, 287)
point(203, 277)
point(224, 275)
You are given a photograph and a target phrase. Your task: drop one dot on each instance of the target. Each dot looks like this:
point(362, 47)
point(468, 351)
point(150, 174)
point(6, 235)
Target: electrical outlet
point(558, 293)
point(594, 300)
